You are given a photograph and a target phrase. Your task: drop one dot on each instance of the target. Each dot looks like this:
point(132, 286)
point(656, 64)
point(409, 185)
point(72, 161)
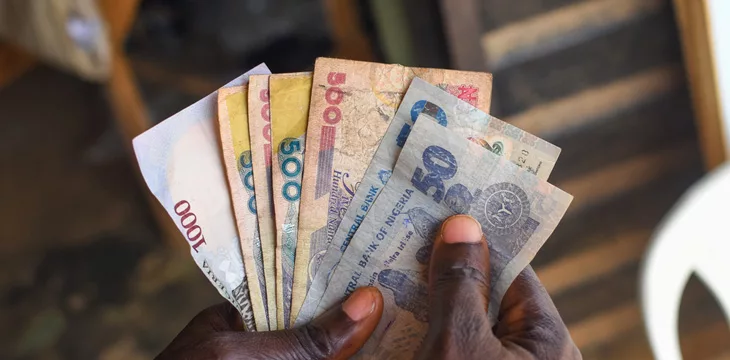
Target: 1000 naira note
point(523, 149)
point(352, 104)
point(236, 149)
point(289, 109)
point(438, 174)
point(180, 162)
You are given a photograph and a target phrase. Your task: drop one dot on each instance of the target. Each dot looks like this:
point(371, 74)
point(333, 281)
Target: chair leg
point(130, 113)
point(132, 119)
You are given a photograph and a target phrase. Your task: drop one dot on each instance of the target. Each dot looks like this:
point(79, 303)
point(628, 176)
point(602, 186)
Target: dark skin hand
point(528, 327)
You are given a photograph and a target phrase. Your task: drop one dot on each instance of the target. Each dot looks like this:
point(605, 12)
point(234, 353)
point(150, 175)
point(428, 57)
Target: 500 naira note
point(236, 149)
point(352, 104)
point(259, 124)
point(289, 110)
point(439, 174)
point(523, 149)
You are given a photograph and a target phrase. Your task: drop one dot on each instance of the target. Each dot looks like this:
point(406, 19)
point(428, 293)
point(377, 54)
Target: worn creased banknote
point(236, 150)
point(523, 149)
point(259, 124)
point(289, 109)
point(352, 104)
point(180, 162)
point(438, 174)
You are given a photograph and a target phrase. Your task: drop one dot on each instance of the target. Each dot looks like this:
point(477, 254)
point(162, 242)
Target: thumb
point(458, 285)
point(337, 334)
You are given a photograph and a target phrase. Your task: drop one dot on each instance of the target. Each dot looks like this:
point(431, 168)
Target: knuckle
point(460, 276)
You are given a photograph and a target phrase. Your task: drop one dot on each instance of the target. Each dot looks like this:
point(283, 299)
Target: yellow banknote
point(259, 124)
point(289, 111)
point(236, 149)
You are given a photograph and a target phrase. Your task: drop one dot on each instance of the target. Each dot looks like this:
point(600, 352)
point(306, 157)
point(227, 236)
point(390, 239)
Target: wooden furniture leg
point(129, 111)
point(14, 62)
point(694, 31)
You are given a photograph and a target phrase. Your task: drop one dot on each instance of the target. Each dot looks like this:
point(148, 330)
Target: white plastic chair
point(693, 238)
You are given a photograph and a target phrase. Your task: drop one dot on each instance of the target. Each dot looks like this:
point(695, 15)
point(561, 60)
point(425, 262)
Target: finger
point(337, 334)
point(458, 288)
point(529, 321)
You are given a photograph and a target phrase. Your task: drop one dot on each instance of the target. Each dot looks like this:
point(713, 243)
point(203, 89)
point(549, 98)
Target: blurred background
point(91, 268)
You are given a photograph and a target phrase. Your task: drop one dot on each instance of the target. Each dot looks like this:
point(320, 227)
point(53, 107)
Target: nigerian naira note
point(352, 104)
point(439, 174)
point(236, 149)
point(289, 99)
point(259, 124)
point(523, 149)
point(180, 161)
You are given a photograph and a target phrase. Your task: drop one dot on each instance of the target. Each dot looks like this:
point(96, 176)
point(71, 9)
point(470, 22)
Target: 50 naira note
point(440, 173)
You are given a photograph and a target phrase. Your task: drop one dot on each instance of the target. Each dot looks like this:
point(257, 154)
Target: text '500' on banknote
point(236, 150)
point(259, 125)
point(289, 97)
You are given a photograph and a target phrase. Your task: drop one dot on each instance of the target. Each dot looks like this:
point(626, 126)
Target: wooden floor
point(603, 79)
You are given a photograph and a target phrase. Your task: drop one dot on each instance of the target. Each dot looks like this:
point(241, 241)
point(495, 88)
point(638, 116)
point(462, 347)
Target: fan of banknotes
point(293, 190)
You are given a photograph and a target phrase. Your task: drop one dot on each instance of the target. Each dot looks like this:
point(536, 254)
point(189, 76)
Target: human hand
point(528, 327)
point(217, 333)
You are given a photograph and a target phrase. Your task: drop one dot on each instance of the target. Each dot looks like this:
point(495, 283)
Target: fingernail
point(461, 229)
point(360, 304)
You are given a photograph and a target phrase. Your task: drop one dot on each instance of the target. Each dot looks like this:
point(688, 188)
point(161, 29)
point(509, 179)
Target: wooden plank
point(640, 209)
point(566, 114)
point(605, 326)
point(500, 13)
point(647, 128)
point(723, 356)
point(636, 47)
point(616, 179)
point(14, 62)
point(698, 312)
point(700, 66)
point(561, 28)
point(598, 295)
point(462, 26)
point(577, 269)
point(708, 342)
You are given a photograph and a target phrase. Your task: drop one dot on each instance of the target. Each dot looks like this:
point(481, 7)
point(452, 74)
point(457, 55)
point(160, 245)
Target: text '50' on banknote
point(180, 162)
point(525, 150)
point(352, 104)
point(439, 174)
